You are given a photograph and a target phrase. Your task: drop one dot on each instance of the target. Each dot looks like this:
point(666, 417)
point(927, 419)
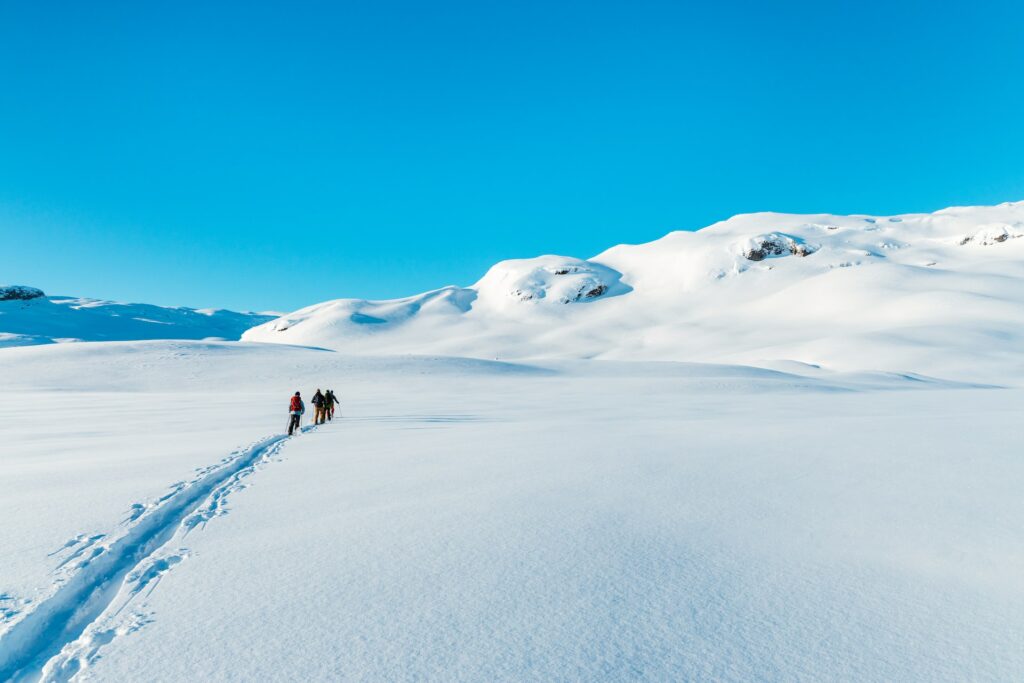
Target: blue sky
point(270, 156)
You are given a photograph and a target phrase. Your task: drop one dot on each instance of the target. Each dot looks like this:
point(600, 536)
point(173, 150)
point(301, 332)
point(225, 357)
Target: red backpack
point(296, 403)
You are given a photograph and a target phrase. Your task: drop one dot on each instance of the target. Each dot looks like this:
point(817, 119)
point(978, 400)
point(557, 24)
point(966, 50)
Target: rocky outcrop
point(547, 280)
point(776, 244)
point(992, 234)
point(19, 293)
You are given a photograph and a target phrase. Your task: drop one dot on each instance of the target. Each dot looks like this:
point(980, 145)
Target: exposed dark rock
point(990, 237)
point(767, 247)
point(19, 293)
point(777, 245)
point(585, 293)
point(521, 295)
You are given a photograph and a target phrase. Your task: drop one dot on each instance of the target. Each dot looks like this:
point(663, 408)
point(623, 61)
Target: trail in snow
point(54, 641)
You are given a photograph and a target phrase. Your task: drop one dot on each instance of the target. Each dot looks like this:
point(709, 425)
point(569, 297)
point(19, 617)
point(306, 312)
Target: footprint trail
point(63, 633)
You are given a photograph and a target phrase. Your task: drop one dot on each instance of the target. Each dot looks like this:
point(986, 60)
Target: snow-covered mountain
point(28, 316)
point(939, 293)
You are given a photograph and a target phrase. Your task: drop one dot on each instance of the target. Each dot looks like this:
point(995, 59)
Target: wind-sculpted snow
point(28, 317)
point(915, 292)
point(555, 280)
point(356, 317)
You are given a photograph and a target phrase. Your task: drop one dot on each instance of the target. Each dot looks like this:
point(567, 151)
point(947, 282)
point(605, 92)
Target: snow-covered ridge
point(918, 292)
point(29, 317)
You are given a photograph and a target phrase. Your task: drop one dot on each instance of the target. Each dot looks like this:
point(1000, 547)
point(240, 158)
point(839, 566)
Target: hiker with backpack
point(331, 400)
point(319, 407)
point(295, 409)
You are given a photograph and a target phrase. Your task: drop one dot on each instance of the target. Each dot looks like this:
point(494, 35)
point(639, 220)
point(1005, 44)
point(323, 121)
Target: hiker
point(295, 408)
point(331, 401)
point(318, 402)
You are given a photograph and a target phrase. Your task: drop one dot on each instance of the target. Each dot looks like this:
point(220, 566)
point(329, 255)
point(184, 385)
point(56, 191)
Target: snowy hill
point(939, 293)
point(29, 317)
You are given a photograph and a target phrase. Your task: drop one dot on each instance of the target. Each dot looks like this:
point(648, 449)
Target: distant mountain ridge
point(28, 316)
point(940, 292)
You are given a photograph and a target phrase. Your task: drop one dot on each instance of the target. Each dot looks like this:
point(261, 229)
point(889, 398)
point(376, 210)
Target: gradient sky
point(270, 156)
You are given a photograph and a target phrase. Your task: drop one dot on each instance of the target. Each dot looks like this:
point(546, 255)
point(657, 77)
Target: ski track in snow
point(64, 632)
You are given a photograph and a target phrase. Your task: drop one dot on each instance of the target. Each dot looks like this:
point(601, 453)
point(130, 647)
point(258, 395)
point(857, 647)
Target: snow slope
point(473, 520)
point(46, 320)
point(940, 294)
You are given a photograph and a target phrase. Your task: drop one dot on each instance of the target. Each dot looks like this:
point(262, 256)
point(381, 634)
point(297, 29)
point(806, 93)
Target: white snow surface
point(473, 520)
point(782, 448)
point(939, 294)
point(54, 319)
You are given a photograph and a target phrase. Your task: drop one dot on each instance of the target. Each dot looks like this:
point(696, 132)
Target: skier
point(318, 407)
point(330, 399)
point(295, 408)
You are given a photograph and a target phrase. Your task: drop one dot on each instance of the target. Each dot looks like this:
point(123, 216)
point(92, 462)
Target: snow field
point(468, 520)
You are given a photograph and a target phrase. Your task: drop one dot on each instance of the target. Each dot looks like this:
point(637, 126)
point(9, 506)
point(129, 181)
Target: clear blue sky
point(269, 156)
